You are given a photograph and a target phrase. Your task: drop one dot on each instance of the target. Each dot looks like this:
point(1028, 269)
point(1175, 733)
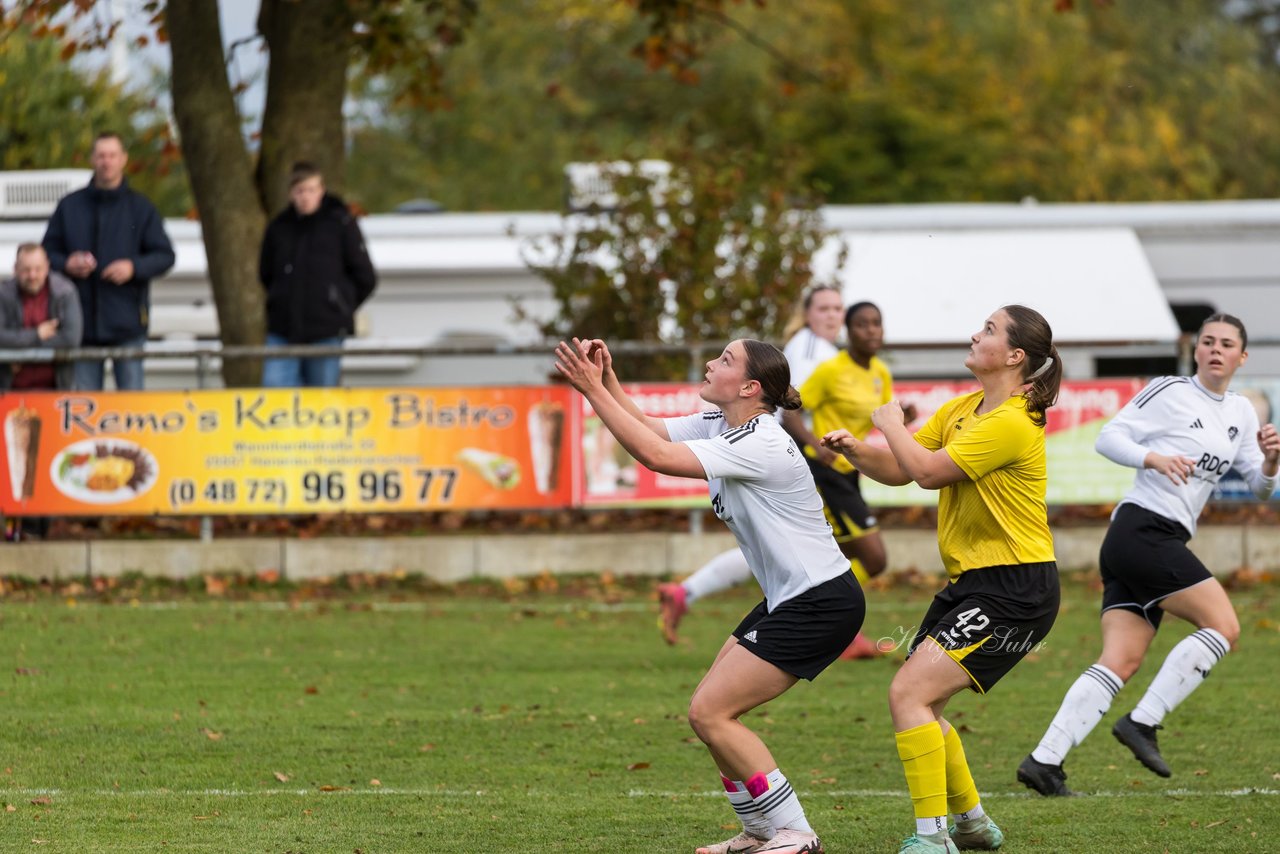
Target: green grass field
point(474, 721)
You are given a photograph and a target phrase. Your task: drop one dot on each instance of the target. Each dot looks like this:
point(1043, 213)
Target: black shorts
point(807, 632)
point(842, 502)
point(1145, 558)
point(988, 619)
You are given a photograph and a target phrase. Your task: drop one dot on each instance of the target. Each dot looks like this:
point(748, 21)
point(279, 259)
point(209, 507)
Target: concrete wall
point(451, 558)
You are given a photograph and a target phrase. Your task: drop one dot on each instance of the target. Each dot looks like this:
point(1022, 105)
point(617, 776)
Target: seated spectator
point(38, 309)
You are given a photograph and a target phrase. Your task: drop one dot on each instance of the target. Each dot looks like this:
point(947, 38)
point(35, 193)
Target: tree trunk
point(310, 47)
point(221, 175)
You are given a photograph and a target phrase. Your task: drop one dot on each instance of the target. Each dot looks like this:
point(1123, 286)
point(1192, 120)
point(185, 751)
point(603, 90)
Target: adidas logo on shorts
point(750, 636)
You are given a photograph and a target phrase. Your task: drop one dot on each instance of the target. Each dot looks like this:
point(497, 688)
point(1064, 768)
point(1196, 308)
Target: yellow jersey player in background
point(841, 393)
point(984, 451)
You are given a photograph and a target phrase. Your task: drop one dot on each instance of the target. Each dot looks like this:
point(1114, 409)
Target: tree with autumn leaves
point(865, 102)
point(313, 47)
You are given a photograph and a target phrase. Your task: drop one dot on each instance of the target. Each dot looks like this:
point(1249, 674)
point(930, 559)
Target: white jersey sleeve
point(804, 352)
point(762, 489)
point(1177, 416)
point(1121, 439)
point(700, 425)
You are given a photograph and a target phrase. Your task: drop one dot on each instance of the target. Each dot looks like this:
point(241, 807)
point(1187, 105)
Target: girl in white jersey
point(761, 488)
point(811, 334)
point(1182, 434)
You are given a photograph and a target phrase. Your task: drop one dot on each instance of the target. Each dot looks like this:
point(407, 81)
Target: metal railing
point(208, 354)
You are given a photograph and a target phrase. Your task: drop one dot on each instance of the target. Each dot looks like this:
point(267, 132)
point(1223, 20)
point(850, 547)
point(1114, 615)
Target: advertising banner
point(1077, 474)
point(381, 450)
point(285, 451)
point(611, 478)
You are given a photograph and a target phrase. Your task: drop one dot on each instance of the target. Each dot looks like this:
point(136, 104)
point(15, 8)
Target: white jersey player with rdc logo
point(1179, 416)
point(1182, 434)
point(762, 489)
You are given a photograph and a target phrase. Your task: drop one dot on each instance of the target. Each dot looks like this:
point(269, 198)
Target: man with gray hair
point(38, 309)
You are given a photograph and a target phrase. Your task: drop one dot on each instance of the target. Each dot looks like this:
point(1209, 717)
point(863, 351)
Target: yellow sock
point(924, 759)
point(859, 572)
point(962, 792)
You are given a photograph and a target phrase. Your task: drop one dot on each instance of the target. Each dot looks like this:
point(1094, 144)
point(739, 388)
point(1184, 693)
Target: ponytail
point(1044, 384)
point(1042, 369)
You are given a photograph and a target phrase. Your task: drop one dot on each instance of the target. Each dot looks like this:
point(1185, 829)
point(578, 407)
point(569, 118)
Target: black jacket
point(316, 271)
point(112, 224)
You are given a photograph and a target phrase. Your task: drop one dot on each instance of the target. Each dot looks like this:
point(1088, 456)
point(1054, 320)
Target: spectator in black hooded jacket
point(110, 241)
point(317, 272)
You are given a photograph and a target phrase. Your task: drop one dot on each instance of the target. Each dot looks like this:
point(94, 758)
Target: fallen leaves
point(210, 734)
point(637, 766)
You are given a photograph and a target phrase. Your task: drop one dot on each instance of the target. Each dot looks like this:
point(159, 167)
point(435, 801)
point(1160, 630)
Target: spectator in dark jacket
point(38, 308)
point(317, 272)
point(111, 242)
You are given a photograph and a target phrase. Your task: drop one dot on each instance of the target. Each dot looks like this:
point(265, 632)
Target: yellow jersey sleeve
point(997, 440)
point(886, 380)
point(817, 388)
point(998, 517)
point(931, 434)
point(840, 394)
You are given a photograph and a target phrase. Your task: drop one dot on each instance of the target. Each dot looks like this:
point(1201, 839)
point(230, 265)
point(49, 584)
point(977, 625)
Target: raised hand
point(594, 346)
point(583, 373)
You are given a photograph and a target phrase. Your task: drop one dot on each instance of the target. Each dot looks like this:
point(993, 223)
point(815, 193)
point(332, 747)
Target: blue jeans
point(294, 371)
point(91, 374)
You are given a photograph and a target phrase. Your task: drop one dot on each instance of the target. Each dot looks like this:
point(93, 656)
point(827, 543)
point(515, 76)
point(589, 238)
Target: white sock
point(1186, 667)
point(1084, 705)
point(931, 826)
point(778, 802)
point(753, 820)
point(972, 815)
point(725, 570)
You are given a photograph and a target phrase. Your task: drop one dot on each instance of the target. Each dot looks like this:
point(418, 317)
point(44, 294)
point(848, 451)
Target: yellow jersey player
point(984, 452)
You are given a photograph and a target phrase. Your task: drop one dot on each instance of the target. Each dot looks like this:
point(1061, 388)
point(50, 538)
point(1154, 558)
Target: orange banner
point(285, 451)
